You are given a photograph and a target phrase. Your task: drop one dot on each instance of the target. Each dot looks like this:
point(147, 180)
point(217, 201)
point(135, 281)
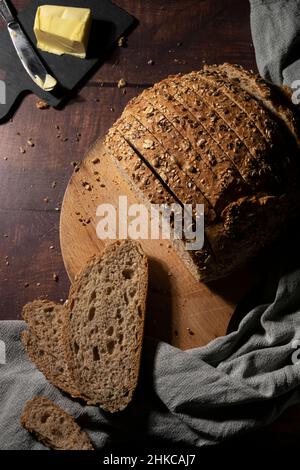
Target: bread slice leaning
point(43, 343)
point(104, 325)
point(53, 426)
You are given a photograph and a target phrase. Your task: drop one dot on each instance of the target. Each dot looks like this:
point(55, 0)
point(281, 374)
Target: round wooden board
point(181, 310)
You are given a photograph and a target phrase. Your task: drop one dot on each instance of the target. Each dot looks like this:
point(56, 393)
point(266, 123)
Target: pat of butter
point(62, 30)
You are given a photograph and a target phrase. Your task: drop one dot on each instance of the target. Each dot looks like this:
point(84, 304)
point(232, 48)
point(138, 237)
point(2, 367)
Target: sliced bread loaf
point(54, 427)
point(104, 325)
point(249, 168)
point(150, 190)
point(230, 183)
point(190, 160)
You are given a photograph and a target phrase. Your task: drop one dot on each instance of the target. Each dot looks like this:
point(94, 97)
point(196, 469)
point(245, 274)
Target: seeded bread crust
point(249, 168)
point(230, 183)
point(54, 427)
point(271, 96)
point(284, 151)
point(235, 118)
point(165, 165)
point(151, 191)
point(103, 346)
point(189, 161)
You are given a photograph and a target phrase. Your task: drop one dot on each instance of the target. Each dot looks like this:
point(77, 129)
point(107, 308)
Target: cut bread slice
point(104, 325)
point(54, 427)
point(53, 367)
point(44, 343)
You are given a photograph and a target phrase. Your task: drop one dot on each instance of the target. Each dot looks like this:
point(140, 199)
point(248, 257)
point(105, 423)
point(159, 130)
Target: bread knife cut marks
point(29, 58)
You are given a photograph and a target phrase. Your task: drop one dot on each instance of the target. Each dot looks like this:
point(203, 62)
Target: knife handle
point(6, 12)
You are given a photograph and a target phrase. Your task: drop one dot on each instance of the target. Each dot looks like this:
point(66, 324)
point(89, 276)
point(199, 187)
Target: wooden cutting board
point(181, 310)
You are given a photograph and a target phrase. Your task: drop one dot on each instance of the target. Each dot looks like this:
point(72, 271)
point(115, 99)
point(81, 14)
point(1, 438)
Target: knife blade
point(29, 58)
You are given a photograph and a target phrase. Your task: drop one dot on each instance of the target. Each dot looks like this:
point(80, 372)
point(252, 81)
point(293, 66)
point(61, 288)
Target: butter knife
point(29, 58)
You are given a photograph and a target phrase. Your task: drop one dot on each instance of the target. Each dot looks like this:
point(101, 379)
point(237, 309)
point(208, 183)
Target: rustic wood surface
point(178, 37)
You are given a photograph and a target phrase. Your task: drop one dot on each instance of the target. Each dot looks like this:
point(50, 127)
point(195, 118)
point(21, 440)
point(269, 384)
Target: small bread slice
point(104, 325)
point(53, 426)
point(54, 368)
point(43, 343)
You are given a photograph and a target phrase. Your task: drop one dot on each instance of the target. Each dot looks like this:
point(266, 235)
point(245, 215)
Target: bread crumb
point(41, 104)
point(30, 142)
point(122, 83)
point(95, 160)
point(46, 200)
point(4, 158)
point(38, 284)
point(87, 186)
point(150, 62)
point(51, 247)
point(53, 184)
point(26, 284)
point(57, 209)
point(22, 150)
point(55, 277)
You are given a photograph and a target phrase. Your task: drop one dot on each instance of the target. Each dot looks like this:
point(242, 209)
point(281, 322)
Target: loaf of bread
point(54, 427)
point(91, 347)
point(221, 137)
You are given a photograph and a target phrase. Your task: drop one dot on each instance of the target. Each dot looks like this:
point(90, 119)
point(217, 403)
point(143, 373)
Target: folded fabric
point(275, 27)
point(200, 397)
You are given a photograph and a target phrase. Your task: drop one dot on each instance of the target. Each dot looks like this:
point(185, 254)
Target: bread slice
point(104, 325)
point(53, 367)
point(53, 426)
point(271, 96)
point(43, 343)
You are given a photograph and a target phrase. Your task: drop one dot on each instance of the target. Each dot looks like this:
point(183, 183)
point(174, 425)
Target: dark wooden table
point(173, 36)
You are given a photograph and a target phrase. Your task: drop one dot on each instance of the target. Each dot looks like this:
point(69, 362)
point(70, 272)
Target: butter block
point(63, 30)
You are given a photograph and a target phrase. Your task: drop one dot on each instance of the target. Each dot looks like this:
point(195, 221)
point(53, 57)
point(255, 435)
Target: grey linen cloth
point(200, 397)
point(275, 27)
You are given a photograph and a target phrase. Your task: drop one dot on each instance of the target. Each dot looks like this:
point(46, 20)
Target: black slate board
point(109, 23)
